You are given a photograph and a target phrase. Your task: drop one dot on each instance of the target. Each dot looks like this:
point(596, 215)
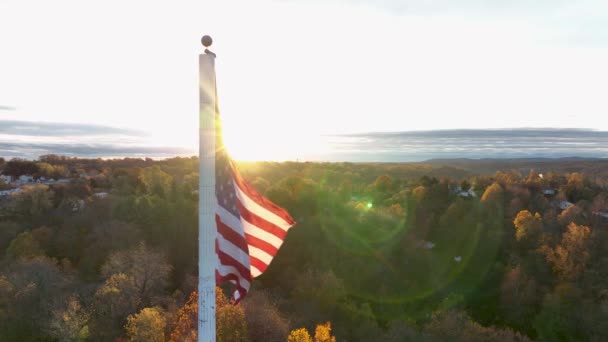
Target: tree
point(528, 227)
point(24, 246)
point(264, 321)
point(323, 333)
point(571, 214)
point(17, 167)
point(69, 323)
point(29, 291)
point(32, 201)
point(146, 326)
point(519, 297)
point(186, 321)
point(230, 320)
point(493, 196)
point(569, 258)
point(148, 270)
point(453, 325)
point(299, 335)
point(116, 299)
point(156, 181)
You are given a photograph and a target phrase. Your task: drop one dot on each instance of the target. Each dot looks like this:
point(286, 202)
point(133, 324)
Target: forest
point(445, 250)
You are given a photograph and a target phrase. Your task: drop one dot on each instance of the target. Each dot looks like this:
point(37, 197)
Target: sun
point(247, 143)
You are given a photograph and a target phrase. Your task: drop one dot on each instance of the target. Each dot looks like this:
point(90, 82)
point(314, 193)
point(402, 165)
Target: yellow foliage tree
point(323, 333)
point(299, 335)
point(230, 320)
point(146, 326)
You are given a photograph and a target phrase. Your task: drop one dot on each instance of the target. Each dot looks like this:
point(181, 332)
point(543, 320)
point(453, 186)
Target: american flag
point(250, 228)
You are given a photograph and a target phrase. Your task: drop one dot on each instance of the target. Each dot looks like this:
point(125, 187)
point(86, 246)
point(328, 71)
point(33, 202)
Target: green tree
point(156, 181)
point(32, 201)
point(24, 246)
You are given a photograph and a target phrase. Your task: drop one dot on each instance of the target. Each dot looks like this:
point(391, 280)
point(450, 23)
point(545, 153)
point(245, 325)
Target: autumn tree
point(32, 201)
point(519, 297)
point(323, 333)
point(148, 325)
point(264, 321)
point(528, 227)
point(69, 322)
point(299, 335)
point(569, 258)
point(147, 269)
point(113, 302)
point(230, 320)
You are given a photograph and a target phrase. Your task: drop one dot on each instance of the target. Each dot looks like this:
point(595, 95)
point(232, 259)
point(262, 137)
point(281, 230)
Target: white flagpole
point(206, 196)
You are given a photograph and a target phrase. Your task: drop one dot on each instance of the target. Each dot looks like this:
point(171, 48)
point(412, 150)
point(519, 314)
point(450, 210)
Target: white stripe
point(260, 254)
point(234, 251)
point(261, 234)
point(230, 220)
point(260, 211)
point(255, 272)
point(225, 270)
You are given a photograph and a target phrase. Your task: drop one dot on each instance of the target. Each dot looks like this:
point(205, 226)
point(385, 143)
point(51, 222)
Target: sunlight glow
point(257, 141)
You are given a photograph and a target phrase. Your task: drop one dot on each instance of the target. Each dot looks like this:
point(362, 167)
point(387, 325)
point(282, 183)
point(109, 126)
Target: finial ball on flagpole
point(207, 41)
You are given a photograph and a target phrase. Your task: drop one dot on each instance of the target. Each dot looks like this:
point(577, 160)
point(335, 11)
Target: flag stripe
point(261, 244)
point(260, 222)
point(258, 264)
point(260, 200)
point(261, 211)
point(223, 271)
point(260, 254)
point(235, 252)
point(261, 234)
point(250, 228)
point(226, 259)
point(229, 234)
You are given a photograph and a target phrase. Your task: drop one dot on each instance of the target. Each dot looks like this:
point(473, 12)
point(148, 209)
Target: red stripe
point(260, 222)
point(257, 263)
point(230, 235)
point(226, 259)
point(242, 291)
point(261, 244)
point(259, 199)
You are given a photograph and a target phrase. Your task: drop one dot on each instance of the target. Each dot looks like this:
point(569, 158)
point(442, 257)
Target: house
point(100, 195)
point(603, 214)
point(4, 193)
point(23, 179)
point(563, 205)
point(468, 193)
point(6, 178)
point(549, 192)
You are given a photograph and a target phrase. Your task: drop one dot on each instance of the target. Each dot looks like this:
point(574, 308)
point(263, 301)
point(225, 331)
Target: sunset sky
point(124, 73)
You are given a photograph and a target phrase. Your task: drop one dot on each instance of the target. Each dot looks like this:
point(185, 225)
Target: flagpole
point(206, 191)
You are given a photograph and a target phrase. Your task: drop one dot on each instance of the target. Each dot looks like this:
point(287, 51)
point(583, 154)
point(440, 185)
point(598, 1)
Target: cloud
point(2, 107)
point(34, 150)
point(450, 6)
point(27, 139)
point(54, 129)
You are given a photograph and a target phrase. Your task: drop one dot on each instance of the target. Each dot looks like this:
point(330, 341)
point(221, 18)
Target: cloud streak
point(2, 107)
point(27, 139)
point(54, 129)
point(34, 150)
